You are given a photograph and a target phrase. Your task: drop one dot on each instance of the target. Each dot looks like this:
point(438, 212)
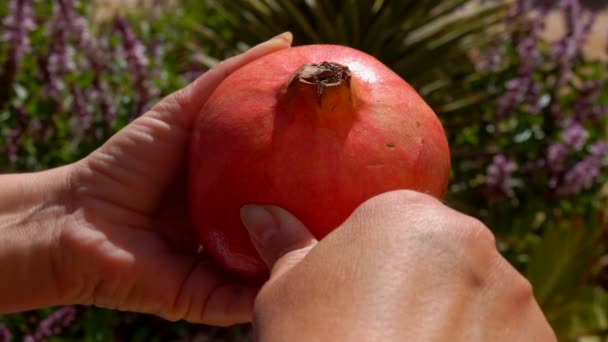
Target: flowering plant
point(532, 161)
point(66, 88)
point(546, 125)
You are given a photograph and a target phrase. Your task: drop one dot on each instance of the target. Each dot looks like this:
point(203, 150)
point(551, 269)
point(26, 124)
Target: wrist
point(33, 209)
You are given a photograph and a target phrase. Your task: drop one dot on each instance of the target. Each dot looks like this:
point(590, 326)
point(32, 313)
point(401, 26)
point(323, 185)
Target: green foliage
point(560, 273)
point(427, 42)
point(543, 115)
point(43, 104)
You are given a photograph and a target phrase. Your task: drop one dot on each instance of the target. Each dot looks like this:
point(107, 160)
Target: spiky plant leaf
point(583, 313)
point(427, 42)
point(558, 272)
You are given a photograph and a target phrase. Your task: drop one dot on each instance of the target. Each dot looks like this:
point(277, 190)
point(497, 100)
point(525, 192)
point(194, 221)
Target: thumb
point(280, 238)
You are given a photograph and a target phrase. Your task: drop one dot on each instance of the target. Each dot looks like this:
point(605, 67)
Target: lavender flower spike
point(53, 324)
point(581, 177)
point(5, 334)
point(586, 172)
point(17, 25)
point(138, 63)
point(575, 136)
point(600, 151)
point(499, 175)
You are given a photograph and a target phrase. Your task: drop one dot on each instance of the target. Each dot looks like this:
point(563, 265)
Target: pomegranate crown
point(323, 75)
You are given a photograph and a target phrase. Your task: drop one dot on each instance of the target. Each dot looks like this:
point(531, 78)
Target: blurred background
point(520, 87)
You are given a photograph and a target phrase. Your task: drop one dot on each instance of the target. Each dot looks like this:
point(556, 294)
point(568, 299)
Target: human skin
point(111, 230)
point(403, 267)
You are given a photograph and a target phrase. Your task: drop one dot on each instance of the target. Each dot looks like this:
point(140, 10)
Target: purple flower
point(78, 28)
point(519, 9)
point(586, 172)
point(12, 142)
point(499, 175)
point(81, 108)
point(599, 150)
point(540, 81)
point(17, 26)
point(568, 49)
point(582, 176)
point(524, 89)
point(521, 90)
point(586, 106)
point(60, 60)
point(5, 334)
point(556, 156)
point(14, 135)
point(135, 53)
point(575, 136)
point(102, 92)
point(53, 324)
point(74, 49)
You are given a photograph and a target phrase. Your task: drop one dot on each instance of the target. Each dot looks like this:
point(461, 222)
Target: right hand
point(403, 267)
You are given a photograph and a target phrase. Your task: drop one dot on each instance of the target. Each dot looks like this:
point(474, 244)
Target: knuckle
point(516, 288)
point(523, 289)
point(477, 234)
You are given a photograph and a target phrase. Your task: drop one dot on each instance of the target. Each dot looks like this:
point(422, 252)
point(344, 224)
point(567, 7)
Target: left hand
point(126, 242)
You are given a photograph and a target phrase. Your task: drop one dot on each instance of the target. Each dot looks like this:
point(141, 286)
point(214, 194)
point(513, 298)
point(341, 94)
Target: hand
point(124, 241)
point(131, 237)
point(403, 267)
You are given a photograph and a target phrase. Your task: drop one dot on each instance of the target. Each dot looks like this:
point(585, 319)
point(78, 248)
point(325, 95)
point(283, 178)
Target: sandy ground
point(597, 43)
point(106, 9)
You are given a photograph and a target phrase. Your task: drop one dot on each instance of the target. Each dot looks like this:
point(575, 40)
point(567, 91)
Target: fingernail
point(287, 37)
point(260, 223)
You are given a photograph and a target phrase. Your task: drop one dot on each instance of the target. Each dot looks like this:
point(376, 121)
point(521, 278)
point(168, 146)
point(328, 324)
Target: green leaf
point(558, 270)
point(583, 312)
point(99, 324)
point(426, 42)
point(562, 259)
point(301, 19)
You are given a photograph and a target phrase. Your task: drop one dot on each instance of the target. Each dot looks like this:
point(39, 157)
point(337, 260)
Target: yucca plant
point(427, 42)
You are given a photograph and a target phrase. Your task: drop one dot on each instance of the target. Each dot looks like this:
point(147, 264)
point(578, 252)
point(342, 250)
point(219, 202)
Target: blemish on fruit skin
point(376, 166)
point(390, 146)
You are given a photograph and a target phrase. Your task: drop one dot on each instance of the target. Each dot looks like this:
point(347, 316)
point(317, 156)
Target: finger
point(192, 98)
point(207, 295)
point(280, 238)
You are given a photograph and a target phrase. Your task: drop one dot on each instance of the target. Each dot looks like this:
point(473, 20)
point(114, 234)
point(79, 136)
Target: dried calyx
point(323, 75)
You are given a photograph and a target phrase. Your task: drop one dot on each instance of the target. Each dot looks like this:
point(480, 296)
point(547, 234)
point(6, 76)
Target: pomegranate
point(316, 130)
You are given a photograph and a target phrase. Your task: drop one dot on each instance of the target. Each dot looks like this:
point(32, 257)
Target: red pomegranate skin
point(263, 138)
